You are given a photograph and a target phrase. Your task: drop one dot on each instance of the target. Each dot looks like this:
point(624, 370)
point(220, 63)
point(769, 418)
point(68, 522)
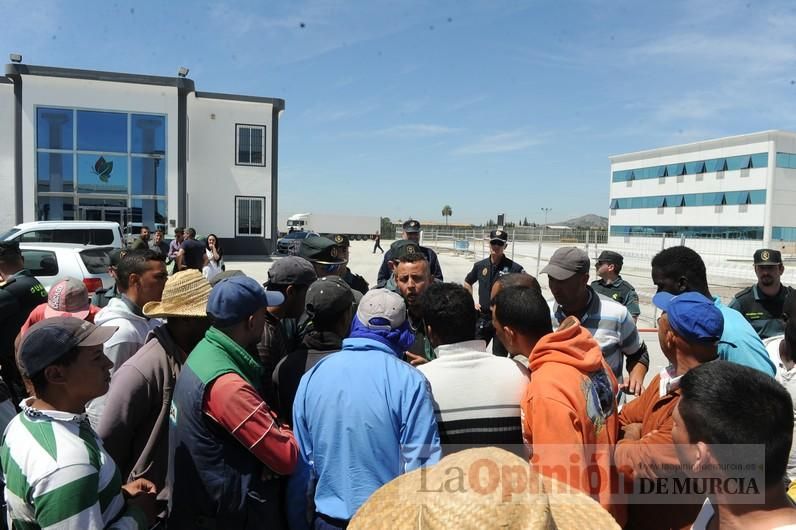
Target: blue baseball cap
point(235, 299)
point(692, 316)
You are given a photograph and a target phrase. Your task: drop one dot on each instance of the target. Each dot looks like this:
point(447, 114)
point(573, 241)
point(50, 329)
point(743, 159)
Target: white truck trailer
point(356, 227)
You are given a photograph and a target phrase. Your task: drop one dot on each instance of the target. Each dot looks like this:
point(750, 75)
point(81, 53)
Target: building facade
point(740, 188)
point(138, 150)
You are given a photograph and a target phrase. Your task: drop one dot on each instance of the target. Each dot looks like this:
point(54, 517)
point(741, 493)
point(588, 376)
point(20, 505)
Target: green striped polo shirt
point(58, 475)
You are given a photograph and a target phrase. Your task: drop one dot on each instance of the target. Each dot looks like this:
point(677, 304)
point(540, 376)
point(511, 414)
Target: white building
point(139, 150)
point(741, 188)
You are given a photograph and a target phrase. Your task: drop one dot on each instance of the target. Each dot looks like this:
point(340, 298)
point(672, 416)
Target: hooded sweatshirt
point(128, 339)
point(569, 411)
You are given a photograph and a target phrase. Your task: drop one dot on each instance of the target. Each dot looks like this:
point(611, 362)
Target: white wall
point(7, 105)
point(95, 95)
point(213, 178)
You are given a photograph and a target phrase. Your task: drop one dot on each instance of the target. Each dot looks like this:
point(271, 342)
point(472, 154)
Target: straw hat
point(479, 488)
point(185, 295)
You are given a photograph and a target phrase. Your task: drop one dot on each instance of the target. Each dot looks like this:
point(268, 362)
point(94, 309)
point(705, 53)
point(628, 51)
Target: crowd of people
point(207, 401)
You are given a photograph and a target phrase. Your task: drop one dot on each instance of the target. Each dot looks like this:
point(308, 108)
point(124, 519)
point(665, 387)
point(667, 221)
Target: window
point(698, 167)
point(697, 232)
point(786, 160)
point(250, 145)
point(40, 262)
point(249, 213)
point(101, 131)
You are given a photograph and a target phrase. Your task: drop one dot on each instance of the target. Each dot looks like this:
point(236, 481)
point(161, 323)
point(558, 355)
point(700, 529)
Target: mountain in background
point(589, 220)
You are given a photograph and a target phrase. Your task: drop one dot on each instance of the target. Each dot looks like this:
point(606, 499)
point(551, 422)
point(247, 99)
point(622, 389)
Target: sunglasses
point(498, 242)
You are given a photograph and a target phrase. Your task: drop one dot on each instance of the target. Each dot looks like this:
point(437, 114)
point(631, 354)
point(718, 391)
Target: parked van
point(97, 233)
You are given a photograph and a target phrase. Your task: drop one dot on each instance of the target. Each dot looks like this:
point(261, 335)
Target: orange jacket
point(652, 457)
point(569, 413)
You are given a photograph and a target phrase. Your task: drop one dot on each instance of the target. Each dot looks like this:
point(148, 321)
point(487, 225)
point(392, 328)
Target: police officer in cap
point(355, 281)
point(324, 254)
point(611, 284)
point(411, 233)
point(761, 304)
point(20, 293)
point(486, 272)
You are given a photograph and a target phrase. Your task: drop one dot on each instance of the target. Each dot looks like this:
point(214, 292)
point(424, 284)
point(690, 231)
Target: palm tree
point(447, 211)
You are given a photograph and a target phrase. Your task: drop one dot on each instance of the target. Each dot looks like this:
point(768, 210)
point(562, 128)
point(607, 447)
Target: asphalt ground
point(455, 267)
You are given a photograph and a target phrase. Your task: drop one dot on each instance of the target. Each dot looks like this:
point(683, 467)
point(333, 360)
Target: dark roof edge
point(4, 80)
point(278, 103)
point(96, 75)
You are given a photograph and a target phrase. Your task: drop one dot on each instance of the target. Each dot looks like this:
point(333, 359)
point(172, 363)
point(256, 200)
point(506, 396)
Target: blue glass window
point(148, 134)
point(54, 128)
point(101, 174)
point(760, 160)
point(700, 232)
point(149, 212)
point(786, 160)
point(54, 172)
point(783, 233)
point(614, 204)
point(55, 208)
point(101, 131)
point(148, 176)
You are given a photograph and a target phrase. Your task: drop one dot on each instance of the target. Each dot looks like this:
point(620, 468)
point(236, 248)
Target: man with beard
point(412, 276)
point(761, 304)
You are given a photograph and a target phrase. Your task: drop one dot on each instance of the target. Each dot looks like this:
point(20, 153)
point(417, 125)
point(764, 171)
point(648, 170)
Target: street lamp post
point(546, 211)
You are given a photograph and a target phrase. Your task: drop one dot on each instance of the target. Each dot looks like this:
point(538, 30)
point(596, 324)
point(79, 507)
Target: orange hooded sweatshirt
point(569, 413)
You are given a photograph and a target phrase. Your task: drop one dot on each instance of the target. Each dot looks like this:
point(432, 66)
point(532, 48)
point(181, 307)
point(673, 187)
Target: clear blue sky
point(398, 108)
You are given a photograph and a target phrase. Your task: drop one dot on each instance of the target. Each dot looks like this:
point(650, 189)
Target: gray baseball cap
point(50, 339)
point(328, 297)
point(381, 309)
point(292, 270)
point(566, 262)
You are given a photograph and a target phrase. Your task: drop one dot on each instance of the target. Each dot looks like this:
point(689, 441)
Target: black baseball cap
point(609, 256)
point(496, 236)
point(321, 250)
point(411, 226)
point(328, 297)
point(404, 248)
point(767, 256)
point(291, 270)
point(50, 339)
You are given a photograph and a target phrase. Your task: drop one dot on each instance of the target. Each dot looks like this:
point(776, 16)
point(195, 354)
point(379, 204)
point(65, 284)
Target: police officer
point(761, 304)
point(20, 292)
point(486, 272)
point(101, 297)
point(355, 281)
point(611, 284)
point(411, 233)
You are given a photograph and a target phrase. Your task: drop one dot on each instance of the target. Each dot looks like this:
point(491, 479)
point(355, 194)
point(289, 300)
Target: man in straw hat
point(57, 473)
point(362, 416)
point(688, 331)
point(569, 407)
point(134, 426)
point(225, 443)
point(479, 488)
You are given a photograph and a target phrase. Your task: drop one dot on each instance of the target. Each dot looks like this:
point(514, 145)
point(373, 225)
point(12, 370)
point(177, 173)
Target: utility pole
point(546, 211)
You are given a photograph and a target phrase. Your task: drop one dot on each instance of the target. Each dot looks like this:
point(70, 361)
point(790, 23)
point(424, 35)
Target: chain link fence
point(728, 261)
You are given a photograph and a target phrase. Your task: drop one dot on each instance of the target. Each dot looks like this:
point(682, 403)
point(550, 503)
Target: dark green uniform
point(620, 291)
point(19, 295)
point(763, 312)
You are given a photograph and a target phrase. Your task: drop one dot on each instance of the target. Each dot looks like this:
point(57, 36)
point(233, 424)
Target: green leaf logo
point(103, 168)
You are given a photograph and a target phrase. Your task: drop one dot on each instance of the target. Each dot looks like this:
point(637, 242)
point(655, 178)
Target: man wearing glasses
point(486, 272)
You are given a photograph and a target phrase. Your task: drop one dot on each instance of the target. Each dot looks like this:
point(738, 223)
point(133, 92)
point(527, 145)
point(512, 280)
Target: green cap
point(404, 248)
point(321, 250)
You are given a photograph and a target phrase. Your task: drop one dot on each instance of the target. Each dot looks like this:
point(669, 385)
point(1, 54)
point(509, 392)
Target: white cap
point(382, 309)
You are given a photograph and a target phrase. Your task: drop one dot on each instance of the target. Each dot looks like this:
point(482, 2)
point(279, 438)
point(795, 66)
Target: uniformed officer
point(761, 304)
point(355, 281)
point(101, 297)
point(324, 254)
point(611, 284)
point(411, 233)
point(20, 292)
point(486, 272)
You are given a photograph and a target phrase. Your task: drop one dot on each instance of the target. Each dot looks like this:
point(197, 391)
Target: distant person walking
point(377, 243)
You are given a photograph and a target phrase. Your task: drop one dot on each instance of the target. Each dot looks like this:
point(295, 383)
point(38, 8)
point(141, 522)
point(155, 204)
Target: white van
point(97, 233)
